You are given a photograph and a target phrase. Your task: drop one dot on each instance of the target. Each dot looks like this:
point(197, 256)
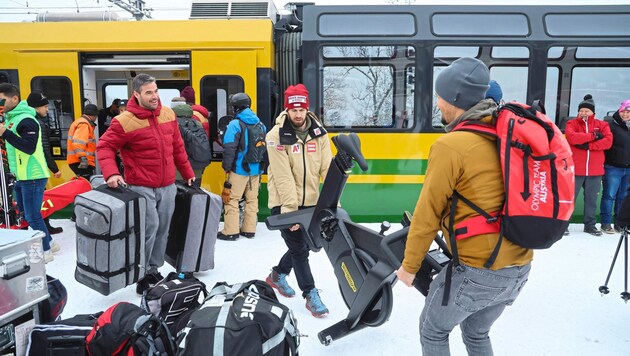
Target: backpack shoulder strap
point(478, 127)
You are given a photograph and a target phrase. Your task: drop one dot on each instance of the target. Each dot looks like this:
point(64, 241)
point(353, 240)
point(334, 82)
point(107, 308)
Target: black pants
point(296, 257)
point(82, 172)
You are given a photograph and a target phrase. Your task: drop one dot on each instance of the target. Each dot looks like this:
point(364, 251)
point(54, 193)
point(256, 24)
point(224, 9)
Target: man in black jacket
point(617, 169)
point(39, 102)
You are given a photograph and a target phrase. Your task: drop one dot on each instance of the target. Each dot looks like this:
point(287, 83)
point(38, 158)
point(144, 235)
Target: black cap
point(90, 109)
point(36, 99)
point(123, 102)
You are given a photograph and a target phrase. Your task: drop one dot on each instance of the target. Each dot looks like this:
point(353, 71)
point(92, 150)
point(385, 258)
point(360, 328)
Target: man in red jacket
point(151, 147)
point(589, 138)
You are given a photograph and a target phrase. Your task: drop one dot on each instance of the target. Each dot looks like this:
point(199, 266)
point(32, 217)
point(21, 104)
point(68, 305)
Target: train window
point(555, 52)
point(455, 52)
point(510, 52)
point(114, 91)
point(58, 90)
point(359, 52)
point(607, 85)
point(215, 93)
point(552, 94)
point(513, 82)
point(588, 25)
point(367, 25)
point(436, 114)
point(603, 53)
point(480, 25)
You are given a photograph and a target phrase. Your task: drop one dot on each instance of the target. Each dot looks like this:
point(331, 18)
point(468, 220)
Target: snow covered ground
point(560, 311)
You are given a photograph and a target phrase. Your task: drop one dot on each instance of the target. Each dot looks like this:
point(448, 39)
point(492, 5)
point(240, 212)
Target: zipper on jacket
point(588, 151)
point(304, 176)
point(157, 131)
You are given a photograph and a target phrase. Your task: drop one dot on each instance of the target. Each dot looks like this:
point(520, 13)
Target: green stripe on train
point(393, 167)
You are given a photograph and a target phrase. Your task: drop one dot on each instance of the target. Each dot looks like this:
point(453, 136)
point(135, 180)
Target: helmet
point(240, 102)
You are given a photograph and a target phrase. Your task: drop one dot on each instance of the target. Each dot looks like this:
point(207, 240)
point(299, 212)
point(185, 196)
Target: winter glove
point(227, 191)
point(583, 146)
point(84, 163)
point(598, 135)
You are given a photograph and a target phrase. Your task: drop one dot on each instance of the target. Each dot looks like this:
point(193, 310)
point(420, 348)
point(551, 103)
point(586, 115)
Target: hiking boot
point(279, 282)
point(249, 235)
point(618, 229)
point(54, 247)
point(48, 256)
point(592, 230)
point(224, 237)
point(606, 228)
point(314, 304)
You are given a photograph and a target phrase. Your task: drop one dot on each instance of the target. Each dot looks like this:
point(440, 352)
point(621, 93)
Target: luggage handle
point(14, 266)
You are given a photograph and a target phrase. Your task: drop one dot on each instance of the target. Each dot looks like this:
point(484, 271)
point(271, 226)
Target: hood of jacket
point(248, 116)
point(141, 112)
point(482, 109)
point(20, 109)
point(617, 120)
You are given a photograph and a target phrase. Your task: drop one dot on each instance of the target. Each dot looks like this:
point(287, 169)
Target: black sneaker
point(153, 278)
point(566, 232)
point(592, 230)
point(618, 229)
point(55, 230)
point(142, 285)
point(249, 235)
point(222, 236)
point(607, 229)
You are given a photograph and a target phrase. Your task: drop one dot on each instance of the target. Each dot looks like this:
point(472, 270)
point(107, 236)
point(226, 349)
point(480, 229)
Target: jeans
point(616, 182)
point(477, 299)
point(160, 207)
point(29, 195)
point(295, 258)
point(591, 184)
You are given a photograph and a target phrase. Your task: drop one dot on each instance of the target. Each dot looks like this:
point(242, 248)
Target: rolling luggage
point(194, 228)
point(110, 238)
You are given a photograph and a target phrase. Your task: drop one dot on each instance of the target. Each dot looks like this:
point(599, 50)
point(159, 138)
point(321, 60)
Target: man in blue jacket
point(243, 163)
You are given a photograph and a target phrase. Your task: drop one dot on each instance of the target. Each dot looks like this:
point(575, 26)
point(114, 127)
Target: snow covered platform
point(559, 312)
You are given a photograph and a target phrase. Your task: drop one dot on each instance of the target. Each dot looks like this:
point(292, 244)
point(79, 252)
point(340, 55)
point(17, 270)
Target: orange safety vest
point(81, 141)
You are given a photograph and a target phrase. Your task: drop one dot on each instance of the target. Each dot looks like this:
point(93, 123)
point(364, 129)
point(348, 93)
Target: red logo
point(296, 148)
point(311, 147)
point(280, 148)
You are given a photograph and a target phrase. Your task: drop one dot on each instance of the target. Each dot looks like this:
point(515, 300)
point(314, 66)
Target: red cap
point(296, 96)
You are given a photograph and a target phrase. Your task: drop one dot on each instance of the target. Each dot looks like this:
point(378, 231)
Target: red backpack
point(539, 180)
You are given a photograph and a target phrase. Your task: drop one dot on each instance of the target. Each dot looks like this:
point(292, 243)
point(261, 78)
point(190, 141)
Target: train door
point(220, 74)
point(56, 75)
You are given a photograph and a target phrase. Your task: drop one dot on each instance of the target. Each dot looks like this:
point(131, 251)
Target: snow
point(559, 312)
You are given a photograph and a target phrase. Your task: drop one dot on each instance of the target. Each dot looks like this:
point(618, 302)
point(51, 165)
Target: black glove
point(598, 135)
point(84, 163)
point(423, 279)
point(583, 146)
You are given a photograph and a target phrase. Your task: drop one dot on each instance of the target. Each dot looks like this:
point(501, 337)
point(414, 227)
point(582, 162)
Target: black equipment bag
point(173, 297)
point(51, 308)
point(60, 338)
point(241, 319)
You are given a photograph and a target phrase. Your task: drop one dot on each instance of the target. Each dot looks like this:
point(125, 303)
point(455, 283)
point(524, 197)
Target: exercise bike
point(364, 261)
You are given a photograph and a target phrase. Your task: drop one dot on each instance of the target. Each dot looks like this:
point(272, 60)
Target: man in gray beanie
point(468, 163)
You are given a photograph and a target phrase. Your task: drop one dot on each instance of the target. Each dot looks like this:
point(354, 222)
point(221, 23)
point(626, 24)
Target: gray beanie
point(464, 83)
point(588, 103)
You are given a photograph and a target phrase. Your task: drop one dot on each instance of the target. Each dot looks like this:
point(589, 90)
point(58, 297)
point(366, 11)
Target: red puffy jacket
point(150, 144)
point(588, 162)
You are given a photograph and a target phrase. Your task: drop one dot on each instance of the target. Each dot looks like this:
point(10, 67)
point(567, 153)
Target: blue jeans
point(29, 195)
point(616, 182)
point(477, 299)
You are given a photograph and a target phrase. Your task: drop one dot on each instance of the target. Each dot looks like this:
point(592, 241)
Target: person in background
point(81, 156)
point(195, 140)
point(299, 157)
point(200, 113)
point(589, 138)
point(39, 102)
point(494, 92)
point(478, 295)
point(122, 106)
point(616, 168)
point(25, 154)
point(152, 149)
point(243, 173)
point(106, 115)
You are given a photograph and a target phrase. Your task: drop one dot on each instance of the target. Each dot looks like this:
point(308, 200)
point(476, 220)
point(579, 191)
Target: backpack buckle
point(492, 220)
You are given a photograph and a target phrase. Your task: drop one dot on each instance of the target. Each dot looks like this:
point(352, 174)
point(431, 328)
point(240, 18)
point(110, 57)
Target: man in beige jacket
point(299, 156)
